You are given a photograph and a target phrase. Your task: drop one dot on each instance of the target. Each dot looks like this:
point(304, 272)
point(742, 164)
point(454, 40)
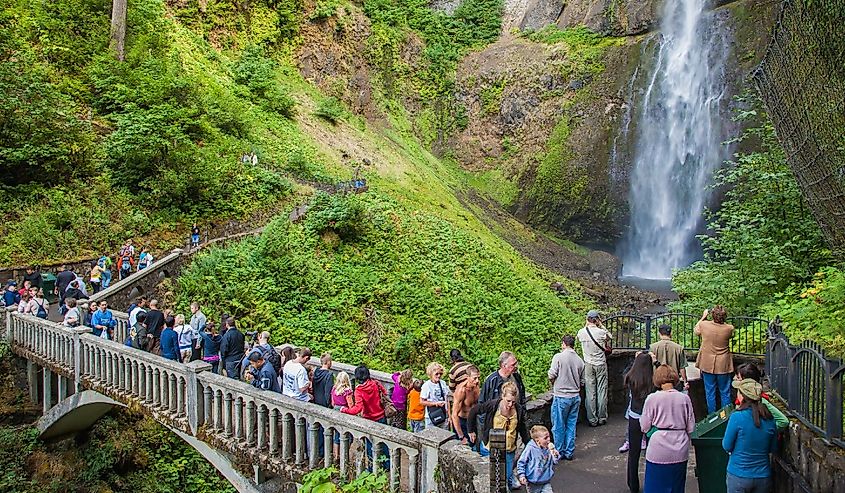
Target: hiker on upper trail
point(195, 235)
point(595, 343)
point(125, 260)
point(566, 375)
point(714, 356)
point(145, 259)
point(105, 264)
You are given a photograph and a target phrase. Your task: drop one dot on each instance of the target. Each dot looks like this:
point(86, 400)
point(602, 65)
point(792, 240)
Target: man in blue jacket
point(261, 373)
point(103, 320)
point(232, 349)
point(170, 341)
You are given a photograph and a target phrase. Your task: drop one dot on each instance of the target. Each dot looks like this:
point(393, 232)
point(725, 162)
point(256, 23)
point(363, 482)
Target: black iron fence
point(808, 382)
point(638, 331)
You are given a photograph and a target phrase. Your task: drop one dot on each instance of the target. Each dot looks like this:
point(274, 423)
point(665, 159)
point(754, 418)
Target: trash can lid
point(712, 422)
point(46, 276)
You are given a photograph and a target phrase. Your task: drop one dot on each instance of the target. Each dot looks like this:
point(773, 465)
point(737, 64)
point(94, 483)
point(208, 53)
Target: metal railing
point(638, 331)
point(808, 382)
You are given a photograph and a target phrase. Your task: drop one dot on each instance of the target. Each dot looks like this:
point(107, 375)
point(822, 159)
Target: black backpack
point(270, 354)
point(41, 313)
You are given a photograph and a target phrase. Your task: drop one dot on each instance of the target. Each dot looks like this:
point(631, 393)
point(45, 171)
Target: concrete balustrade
point(266, 429)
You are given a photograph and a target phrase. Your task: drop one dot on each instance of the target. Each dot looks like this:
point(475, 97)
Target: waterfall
point(678, 142)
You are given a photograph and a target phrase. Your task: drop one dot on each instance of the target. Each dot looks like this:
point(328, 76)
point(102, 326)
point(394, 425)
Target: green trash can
point(48, 284)
point(711, 460)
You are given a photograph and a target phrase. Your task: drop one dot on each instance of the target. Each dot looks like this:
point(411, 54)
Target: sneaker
point(625, 447)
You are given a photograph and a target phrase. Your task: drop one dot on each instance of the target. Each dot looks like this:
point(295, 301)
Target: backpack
point(272, 356)
point(41, 312)
point(386, 403)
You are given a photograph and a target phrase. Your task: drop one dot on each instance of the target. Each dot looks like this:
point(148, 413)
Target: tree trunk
point(118, 27)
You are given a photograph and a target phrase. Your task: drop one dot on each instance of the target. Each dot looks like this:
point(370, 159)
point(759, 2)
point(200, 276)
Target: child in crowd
point(535, 467)
point(416, 411)
point(341, 397)
point(401, 386)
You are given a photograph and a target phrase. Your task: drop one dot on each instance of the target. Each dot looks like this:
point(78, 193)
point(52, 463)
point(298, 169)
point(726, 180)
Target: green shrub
point(330, 109)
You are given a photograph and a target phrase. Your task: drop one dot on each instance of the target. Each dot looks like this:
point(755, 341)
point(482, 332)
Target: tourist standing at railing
point(103, 321)
point(750, 437)
point(368, 405)
point(752, 371)
point(198, 318)
point(640, 383)
point(187, 338)
point(63, 279)
point(508, 372)
point(155, 322)
point(504, 413)
point(295, 382)
point(211, 346)
point(38, 306)
point(434, 396)
point(261, 373)
point(566, 375)
point(232, 349)
point(668, 421)
point(138, 333)
point(416, 411)
point(11, 296)
point(170, 341)
point(669, 352)
point(458, 371)
point(140, 306)
point(323, 381)
point(595, 343)
point(465, 397)
point(23, 302)
point(72, 316)
point(341, 396)
point(402, 382)
point(34, 278)
point(86, 311)
point(714, 357)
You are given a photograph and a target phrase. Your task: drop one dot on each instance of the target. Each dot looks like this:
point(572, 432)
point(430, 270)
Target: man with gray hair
point(594, 339)
point(566, 375)
point(507, 372)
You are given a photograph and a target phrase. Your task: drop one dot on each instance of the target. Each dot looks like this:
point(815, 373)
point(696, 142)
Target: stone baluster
point(239, 419)
point(180, 396)
point(314, 446)
point(227, 414)
point(116, 371)
point(344, 455)
point(47, 378)
point(218, 410)
point(300, 440)
point(287, 437)
point(142, 382)
point(328, 446)
point(151, 379)
point(413, 459)
point(395, 468)
point(156, 387)
point(376, 463)
point(164, 389)
point(82, 357)
point(274, 431)
point(250, 423)
point(361, 457)
point(196, 404)
point(107, 365)
point(262, 427)
point(208, 398)
point(121, 373)
point(62, 386)
point(174, 394)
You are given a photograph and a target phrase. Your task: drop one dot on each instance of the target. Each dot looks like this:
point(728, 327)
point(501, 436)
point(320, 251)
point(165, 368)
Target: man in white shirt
point(594, 338)
point(140, 306)
point(295, 382)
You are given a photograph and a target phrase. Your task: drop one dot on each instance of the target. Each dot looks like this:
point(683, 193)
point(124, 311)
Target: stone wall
point(121, 294)
point(460, 470)
point(808, 463)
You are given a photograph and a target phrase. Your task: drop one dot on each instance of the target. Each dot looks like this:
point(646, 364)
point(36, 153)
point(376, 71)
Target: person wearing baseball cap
point(595, 345)
point(11, 296)
point(750, 437)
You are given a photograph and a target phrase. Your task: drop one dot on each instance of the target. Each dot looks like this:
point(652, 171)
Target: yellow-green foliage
point(374, 282)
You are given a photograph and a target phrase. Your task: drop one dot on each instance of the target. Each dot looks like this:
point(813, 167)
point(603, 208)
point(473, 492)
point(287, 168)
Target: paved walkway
point(598, 465)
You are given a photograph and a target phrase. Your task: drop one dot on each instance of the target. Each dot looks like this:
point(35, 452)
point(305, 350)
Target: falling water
point(678, 141)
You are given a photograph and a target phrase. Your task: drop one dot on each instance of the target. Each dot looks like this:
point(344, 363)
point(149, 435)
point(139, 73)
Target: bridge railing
point(638, 331)
point(262, 427)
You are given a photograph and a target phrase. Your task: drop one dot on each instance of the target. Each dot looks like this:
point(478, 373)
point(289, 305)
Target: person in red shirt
point(368, 405)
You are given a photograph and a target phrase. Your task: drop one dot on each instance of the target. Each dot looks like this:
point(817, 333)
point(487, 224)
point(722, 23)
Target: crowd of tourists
point(659, 412)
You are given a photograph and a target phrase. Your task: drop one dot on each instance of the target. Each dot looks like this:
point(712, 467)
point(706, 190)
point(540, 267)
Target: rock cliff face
point(611, 17)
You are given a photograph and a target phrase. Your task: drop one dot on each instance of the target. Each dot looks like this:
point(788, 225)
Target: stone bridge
point(238, 424)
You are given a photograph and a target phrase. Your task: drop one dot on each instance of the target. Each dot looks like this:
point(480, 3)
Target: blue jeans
point(105, 279)
point(711, 382)
point(564, 419)
point(509, 457)
point(737, 484)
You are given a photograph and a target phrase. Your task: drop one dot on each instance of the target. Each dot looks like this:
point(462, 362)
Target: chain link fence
point(802, 83)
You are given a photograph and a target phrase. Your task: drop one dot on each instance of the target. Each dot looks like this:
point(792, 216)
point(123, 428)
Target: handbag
point(608, 349)
point(386, 404)
point(437, 414)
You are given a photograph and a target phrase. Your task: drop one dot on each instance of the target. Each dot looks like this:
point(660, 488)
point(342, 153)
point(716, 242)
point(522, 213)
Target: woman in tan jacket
point(714, 356)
